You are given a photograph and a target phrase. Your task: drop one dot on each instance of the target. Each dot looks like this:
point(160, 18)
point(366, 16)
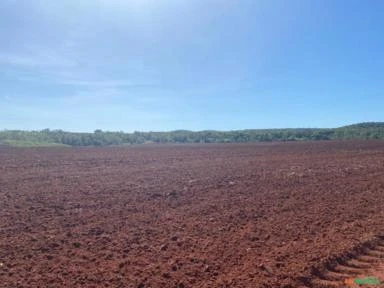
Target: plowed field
point(306, 214)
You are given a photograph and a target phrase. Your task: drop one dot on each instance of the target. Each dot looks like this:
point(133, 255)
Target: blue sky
point(154, 65)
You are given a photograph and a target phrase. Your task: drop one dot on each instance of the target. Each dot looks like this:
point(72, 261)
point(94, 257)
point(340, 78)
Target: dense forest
point(47, 137)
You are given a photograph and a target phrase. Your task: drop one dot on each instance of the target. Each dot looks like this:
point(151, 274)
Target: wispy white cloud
point(101, 83)
point(92, 97)
point(7, 98)
point(70, 76)
point(46, 66)
point(46, 59)
point(81, 80)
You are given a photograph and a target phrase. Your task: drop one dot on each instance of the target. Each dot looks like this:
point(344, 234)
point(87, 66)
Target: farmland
point(202, 215)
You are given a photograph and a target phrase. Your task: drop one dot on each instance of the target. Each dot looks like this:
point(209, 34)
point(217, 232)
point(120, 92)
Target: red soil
point(252, 215)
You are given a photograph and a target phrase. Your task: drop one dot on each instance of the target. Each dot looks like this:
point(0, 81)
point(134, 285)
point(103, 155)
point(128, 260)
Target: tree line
point(46, 137)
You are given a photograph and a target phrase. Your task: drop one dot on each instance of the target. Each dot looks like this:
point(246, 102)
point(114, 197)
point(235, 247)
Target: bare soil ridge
point(364, 261)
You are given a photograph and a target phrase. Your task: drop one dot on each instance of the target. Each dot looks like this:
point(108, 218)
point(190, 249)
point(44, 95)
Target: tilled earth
point(233, 215)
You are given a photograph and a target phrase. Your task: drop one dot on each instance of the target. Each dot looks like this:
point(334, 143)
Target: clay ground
point(245, 215)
